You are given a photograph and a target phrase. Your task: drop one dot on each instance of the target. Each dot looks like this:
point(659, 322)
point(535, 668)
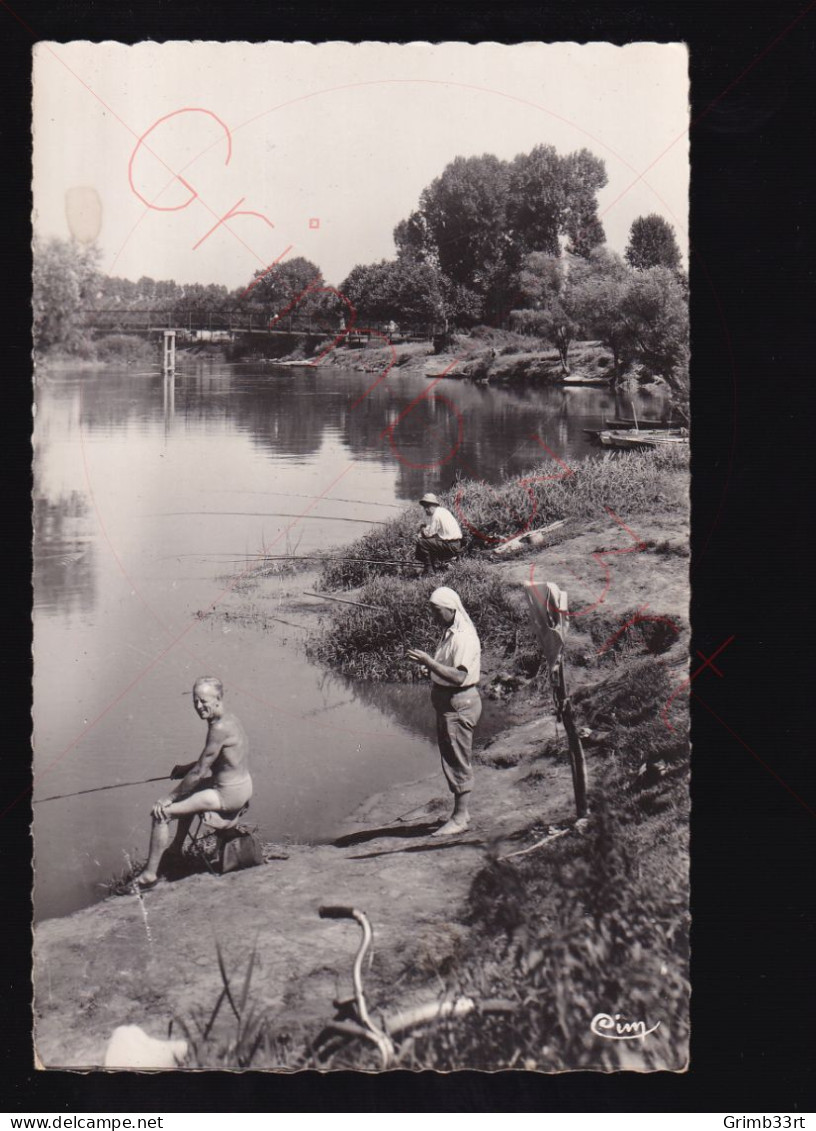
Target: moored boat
point(642, 438)
point(630, 422)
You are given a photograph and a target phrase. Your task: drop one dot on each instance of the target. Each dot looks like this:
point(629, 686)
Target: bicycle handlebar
point(334, 912)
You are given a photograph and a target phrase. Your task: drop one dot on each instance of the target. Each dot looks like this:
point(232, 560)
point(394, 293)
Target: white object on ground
point(131, 1047)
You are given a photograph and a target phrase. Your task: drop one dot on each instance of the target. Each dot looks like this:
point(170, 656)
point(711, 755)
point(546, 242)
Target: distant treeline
point(513, 244)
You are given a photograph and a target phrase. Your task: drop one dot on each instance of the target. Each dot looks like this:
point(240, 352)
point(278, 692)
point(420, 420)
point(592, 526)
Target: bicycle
point(339, 1044)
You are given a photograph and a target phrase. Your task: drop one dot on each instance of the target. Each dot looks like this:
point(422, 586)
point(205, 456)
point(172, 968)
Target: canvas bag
point(242, 850)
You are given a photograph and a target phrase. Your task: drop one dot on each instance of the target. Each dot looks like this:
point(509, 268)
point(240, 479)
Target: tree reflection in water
point(64, 555)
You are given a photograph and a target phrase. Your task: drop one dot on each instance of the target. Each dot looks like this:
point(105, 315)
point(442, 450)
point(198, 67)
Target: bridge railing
point(114, 320)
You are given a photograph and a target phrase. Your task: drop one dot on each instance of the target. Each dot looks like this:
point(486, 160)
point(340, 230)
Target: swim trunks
point(234, 795)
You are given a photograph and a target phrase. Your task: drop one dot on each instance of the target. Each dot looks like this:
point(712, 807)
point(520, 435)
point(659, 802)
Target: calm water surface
point(147, 492)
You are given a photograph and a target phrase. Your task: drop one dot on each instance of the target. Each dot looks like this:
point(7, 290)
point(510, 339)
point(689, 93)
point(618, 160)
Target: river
point(147, 493)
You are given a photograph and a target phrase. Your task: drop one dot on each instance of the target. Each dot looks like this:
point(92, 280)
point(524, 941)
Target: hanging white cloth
point(549, 609)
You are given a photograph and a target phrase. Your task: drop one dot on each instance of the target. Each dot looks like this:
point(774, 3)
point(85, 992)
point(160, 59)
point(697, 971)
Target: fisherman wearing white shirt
point(455, 670)
point(440, 538)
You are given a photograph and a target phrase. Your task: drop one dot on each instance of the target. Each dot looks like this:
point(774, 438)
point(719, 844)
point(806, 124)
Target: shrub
point(125, 349)
point(385, 544)
point(371, 643)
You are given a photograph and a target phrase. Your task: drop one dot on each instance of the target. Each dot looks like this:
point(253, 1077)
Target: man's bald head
point(210, 681)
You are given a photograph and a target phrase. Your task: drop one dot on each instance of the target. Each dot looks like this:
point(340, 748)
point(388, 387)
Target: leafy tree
point(64, 284)
point(278, 290)
point(541, 279)
point(600, 285)
point(652, 244)
point(464, 210)
point(584, 175)
point(536, 201)
point(639, 315)
point(462, 306)
point(655, 313)
point(478, 220)
point(413, 238)
point(202, 298)
point(588, 235)
point(405, 290)
point(550, 195)
point(550, 309)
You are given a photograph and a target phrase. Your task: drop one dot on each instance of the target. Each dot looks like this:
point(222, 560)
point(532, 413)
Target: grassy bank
point(628, 483)
point(592, 922)
point(371, 643)
point(100, 353)
point(595, 920)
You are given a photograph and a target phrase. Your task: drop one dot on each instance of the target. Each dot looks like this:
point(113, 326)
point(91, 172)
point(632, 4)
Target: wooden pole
point(563, 707)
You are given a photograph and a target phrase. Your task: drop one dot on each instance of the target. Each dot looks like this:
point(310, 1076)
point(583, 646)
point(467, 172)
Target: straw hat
point(429, 498)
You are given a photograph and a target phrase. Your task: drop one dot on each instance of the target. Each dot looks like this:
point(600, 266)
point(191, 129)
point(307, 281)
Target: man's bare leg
point(183, 812)
point(459, 818)
point(182, 829)
point(159, 840)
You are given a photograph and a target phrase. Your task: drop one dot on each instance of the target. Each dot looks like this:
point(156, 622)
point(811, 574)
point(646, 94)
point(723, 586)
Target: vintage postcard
point(361, 543)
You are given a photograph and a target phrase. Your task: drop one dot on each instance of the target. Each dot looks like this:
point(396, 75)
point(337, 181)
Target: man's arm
point(181, 768)
point(454, 676)
point(217, 739)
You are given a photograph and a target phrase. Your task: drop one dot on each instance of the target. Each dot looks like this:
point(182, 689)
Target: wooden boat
point(644, 438)
point(579, 382)
point(630, 422)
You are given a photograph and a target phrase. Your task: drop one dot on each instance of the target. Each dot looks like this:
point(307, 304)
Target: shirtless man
point(219, 781)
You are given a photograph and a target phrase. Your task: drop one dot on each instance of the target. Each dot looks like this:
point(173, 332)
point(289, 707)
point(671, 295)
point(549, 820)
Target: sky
point(205, 162)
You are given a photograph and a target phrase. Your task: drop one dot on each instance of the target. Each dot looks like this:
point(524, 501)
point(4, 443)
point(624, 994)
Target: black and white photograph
point(361, 556)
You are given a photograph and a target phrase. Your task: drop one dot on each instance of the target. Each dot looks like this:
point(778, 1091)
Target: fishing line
point(267, 514)
point(97, 789)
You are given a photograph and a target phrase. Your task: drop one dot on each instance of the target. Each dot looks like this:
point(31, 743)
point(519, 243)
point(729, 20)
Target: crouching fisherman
point(440, 538)
point(455, 671)
point(218, 782)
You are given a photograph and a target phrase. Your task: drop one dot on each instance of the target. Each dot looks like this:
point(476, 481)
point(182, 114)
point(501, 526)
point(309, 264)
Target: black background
point(754, 362)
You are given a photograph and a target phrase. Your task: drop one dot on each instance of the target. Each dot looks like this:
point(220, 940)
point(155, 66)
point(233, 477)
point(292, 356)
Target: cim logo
point(614, 1029)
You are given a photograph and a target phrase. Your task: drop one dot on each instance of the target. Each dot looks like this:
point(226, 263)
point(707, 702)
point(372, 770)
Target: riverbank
point(484, 355)
point(568, 926)
point(490, 356)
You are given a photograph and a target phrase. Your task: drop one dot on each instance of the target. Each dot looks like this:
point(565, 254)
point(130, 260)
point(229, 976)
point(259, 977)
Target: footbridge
point(200, 325)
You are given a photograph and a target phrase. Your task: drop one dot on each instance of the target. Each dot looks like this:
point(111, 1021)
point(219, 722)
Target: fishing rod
point(314, 558)
point(323, 498)
point(342, 600)
point(270, 514)
point(98, 789)
point(260, 556)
